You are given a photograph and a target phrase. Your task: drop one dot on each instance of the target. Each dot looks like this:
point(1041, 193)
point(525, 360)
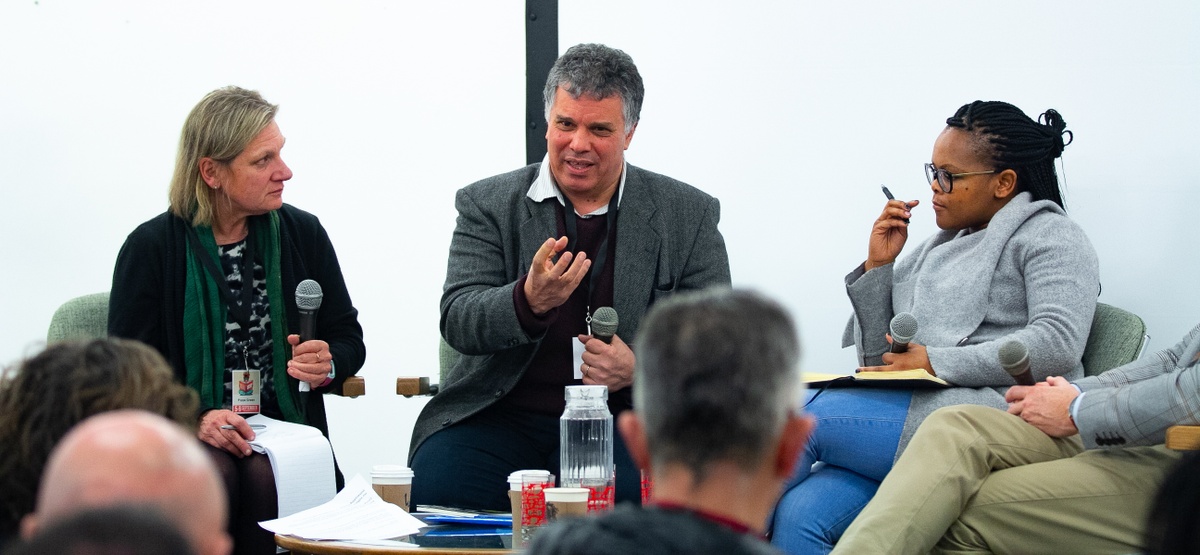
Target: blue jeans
point(855, 441)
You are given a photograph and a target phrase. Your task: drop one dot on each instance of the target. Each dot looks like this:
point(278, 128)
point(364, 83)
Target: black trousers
point(467, 465)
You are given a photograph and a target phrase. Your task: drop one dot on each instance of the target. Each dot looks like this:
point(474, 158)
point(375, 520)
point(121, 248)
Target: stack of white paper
point(357, 513)
point(301, 459)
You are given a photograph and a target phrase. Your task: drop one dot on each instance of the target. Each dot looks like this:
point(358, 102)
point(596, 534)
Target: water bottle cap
point(587, 392)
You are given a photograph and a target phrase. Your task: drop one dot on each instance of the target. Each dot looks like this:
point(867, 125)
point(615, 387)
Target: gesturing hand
point(551, 282)
point(889, 233)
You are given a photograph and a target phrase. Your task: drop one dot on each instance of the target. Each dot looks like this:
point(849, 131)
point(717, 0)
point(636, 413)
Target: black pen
point(889, 196)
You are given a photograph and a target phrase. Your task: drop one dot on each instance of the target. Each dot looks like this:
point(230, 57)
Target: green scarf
point(204, 321)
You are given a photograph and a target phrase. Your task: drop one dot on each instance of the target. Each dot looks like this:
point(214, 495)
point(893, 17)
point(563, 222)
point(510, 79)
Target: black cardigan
point(146, 301)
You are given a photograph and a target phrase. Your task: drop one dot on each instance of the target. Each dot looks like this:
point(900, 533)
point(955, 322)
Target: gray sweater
point(1031, 275)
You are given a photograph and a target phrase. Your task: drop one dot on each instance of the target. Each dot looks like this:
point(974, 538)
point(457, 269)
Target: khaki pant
point(979, 480)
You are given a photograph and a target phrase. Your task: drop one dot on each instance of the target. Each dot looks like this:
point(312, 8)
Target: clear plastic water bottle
point(586, 444)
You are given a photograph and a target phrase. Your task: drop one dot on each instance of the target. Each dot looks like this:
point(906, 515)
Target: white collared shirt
point(544, 187)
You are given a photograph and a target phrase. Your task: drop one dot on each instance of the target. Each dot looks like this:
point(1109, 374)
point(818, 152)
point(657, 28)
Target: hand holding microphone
point(308, 301)
point(903, 354)
point(612, 364)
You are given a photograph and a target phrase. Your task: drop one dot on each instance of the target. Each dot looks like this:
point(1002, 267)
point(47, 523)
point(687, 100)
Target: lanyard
point(240, 313)
point(597, 269)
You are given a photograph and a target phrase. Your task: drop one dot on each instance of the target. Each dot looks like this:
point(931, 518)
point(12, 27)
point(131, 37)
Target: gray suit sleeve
point(478, 316)
point(1136, 403)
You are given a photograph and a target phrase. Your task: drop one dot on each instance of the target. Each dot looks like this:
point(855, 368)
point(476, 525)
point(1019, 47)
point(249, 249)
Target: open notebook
point(902, 379)
point(301, 459)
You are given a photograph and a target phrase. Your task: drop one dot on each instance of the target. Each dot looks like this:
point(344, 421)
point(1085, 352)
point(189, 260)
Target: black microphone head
point(604, 322)
point(903, 327)
point(1014, 357)
point(309, 295)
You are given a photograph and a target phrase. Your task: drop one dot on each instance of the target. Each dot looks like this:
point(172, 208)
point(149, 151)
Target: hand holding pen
point(889, 233)
point(889, 196)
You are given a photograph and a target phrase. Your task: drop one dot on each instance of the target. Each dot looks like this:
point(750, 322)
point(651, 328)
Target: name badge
point(247, 388)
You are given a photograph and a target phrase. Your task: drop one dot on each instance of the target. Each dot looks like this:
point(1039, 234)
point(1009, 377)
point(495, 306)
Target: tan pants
point(979, 480)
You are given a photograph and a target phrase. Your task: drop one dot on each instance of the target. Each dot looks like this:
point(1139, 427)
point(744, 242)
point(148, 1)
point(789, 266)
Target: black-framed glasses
point(945, 179)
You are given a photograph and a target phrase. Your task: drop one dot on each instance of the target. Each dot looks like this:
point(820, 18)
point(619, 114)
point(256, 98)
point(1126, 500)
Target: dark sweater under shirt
point(540, 389)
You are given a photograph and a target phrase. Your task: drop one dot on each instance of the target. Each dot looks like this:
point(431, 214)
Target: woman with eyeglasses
point(1007, 265)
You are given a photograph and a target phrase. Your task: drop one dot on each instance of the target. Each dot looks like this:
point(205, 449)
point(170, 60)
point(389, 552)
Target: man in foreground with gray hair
point(715, 418)
point(535, 253)
point(138, 459)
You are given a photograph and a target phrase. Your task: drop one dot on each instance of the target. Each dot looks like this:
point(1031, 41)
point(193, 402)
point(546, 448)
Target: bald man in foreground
point(140, 459)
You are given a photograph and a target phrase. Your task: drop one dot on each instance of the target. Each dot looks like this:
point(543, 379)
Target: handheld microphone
point(1014, 358)
point(308, 301)
point(904, 329)
point(604, 324)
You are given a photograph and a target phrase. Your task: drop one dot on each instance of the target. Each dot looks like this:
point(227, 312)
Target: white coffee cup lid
point(567, 495)
point(514, 479)
point(391, 471)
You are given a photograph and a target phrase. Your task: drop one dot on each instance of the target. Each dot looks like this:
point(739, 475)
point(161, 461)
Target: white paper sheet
point(301, 459)
point(357, 513)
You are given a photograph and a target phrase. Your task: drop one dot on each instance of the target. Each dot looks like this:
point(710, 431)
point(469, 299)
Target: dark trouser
point(250, 487)
point(467, 465)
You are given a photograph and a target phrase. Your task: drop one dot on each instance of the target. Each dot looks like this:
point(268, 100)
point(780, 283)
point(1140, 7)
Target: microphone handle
point(308, 331)
point(308, 325)
point(1025, 378)
point(604, 338)
point(898, 347)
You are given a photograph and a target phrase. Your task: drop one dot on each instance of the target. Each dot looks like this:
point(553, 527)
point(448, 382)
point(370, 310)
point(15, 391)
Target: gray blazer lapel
point(637, 256)
point(537, 225)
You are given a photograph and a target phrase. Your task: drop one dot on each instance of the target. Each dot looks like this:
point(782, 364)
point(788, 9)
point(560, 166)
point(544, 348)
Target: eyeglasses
point(945, 179)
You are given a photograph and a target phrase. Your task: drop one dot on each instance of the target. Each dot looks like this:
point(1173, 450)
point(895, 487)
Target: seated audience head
point(124, 530)
point(132, 457)
point(988, 153)
point(1174, 524)
point(217, 131)
point(42, 398)
point(716, 394)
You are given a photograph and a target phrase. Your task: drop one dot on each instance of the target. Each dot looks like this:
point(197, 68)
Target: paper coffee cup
point(514, 499)
point(565, 502)
point(393, 483)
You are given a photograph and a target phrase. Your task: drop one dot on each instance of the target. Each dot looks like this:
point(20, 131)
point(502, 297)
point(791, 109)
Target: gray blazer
point(1031, 275)
point(667, 241)
point(1136, 403)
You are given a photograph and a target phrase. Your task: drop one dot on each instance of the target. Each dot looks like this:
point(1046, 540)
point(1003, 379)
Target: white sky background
point(791, 112)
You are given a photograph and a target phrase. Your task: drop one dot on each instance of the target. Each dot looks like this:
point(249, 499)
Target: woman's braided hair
point(1011, 140)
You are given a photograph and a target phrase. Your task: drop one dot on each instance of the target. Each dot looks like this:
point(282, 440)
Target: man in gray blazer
point(535, 252)
point(1070, 468)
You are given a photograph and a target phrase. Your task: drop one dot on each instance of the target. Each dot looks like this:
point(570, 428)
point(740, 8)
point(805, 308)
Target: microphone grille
point(308, 295)
point(604, 321)
point(903, 327)
point(1013, 354)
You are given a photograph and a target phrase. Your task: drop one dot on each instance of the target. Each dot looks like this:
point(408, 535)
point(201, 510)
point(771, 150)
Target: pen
point(252, 426)
point(889, 196)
